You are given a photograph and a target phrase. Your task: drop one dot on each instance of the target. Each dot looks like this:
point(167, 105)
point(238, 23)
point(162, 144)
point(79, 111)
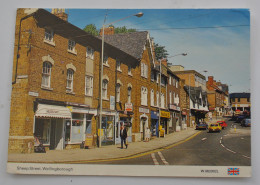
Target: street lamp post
point(140, 14)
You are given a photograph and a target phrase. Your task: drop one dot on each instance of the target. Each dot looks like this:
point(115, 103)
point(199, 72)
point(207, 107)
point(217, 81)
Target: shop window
point(46, 74)
point(42, 130)
point(77, 128)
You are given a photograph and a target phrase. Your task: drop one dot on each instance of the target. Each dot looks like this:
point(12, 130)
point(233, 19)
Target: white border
point(7, 20)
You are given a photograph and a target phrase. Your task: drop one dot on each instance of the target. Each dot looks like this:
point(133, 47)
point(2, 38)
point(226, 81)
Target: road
point(230, 147)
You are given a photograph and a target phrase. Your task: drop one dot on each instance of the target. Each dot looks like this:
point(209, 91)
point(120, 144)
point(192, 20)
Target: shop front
point(50, 125)
point(108, 128)
point(126, 119)
point(175, 118)
point(164, 120)
point(154, 123)
point(79, 127)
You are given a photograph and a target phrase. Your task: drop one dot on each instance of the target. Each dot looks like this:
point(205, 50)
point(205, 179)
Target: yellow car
point(215, 127)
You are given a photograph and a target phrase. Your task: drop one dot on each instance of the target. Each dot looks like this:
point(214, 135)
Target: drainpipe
point(18, 46)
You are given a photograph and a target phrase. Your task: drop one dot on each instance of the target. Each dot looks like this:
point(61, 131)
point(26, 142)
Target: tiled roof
point(131, 43)
point(239, 95)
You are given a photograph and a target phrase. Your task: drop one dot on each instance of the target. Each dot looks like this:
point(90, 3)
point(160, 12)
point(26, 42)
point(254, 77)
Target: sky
point(215, 40)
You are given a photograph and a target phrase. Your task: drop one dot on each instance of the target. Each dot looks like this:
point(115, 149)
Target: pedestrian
point(123, 136)
point(147, 134)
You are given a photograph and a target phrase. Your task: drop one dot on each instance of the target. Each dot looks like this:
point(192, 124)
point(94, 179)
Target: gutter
point(18, 45)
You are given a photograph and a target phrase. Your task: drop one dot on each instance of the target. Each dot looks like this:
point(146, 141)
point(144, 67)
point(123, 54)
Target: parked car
point(223, 124)
point(246, 122)
point(240, 118)
point(215, 127)
point(202, 125)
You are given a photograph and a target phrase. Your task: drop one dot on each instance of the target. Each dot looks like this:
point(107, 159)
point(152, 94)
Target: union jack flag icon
point(233, 171)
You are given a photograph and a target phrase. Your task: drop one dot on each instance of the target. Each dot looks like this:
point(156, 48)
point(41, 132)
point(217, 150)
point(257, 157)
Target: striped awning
point(52, 111)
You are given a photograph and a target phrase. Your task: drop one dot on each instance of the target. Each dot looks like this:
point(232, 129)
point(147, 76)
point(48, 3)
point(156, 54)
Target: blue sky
point(223, 51)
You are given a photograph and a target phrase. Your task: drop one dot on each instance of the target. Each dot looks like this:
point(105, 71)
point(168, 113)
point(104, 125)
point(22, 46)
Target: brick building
point(240, 101)
point(216, 96)
point(135, 84)
point(195, 87)
point(174, 97)
point(53, 78)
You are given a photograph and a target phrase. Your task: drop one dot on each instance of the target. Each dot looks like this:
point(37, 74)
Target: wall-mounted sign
point(143, 110)
point(33, 93)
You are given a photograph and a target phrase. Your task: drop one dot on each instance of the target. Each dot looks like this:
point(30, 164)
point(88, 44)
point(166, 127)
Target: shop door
point(117, 132)
point(144, 128)
point(53, 135)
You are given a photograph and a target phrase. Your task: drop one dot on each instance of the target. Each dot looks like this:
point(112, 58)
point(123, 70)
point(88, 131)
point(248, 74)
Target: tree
point(92, 29)
point(122, 29)
point(160, 51)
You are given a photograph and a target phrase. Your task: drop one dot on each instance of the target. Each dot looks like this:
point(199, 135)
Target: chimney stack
point(60, 12)
point(108, 31)
point(210, 80)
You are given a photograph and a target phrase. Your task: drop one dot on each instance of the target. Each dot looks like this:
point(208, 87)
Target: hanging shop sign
point(165, 114)
point(128, 107)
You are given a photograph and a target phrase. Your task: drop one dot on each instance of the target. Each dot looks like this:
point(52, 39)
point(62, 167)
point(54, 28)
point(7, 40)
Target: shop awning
point(52, 111)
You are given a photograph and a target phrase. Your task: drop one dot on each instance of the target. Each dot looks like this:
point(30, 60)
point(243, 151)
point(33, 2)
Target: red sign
point(184, 113)
point(128, 107)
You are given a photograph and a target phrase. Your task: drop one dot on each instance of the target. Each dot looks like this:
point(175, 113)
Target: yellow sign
point(165, 114)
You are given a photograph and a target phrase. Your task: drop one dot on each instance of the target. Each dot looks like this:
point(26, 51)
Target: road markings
point(246, 156)
point(220, 141)
point(203, 138)
point(154, 159)
point(242, 138)
point(162, 158)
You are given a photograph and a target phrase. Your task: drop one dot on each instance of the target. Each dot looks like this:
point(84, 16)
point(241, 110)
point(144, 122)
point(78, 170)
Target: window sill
point(52, 43)
point(70, 92)
point(130, 74)
point(119, 70)
point(105, 99)
point(106, 65)
point(46, 88)
point(72, 52)
point(144, 105)
point(88, 95)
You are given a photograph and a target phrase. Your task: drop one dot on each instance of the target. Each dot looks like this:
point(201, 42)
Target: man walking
point(123, 136)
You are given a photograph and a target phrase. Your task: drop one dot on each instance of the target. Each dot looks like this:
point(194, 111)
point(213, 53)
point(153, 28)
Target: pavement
point(106, 153)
